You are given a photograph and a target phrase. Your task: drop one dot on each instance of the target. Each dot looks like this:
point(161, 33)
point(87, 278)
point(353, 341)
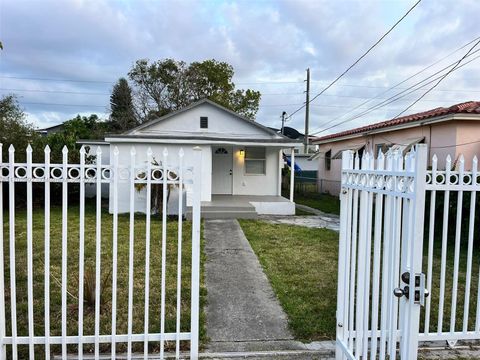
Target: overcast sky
point(85, 46)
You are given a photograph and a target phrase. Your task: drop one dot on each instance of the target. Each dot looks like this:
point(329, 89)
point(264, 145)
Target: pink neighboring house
point(447, 131)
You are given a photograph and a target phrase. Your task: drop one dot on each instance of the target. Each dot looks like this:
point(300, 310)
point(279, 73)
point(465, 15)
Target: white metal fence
point(452, 259)
point(409, 254)
point(76, 279)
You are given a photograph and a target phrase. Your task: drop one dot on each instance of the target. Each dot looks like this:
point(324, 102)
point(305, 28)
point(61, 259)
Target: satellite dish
point(291, 133)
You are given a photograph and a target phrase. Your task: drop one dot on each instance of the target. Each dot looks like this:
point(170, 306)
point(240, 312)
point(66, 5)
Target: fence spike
point(47, 150)
point(11, 148)
point(149, 152)
point(82, 150)
point(99, 150)
point(181, 153)
point(115, 151)
point(133, 151)
point(474, 162)
point(65, 149)
point(29, 148)
point(165, 152)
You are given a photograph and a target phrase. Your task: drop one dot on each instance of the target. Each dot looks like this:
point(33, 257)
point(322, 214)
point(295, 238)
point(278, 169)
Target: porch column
point(280, 167)
point(292, 173)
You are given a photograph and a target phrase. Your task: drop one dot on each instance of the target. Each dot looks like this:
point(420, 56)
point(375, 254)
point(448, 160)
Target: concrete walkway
point(243, 313)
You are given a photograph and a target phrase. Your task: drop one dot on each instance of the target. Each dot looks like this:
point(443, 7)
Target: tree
point(80, 127)
point(122, 117)
point(167, 85)
point(14, 129)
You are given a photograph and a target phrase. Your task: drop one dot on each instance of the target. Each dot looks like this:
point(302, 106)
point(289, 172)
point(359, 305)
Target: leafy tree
point(122, 117)
point(167, 85)
point(14, 129)
point(80, 127)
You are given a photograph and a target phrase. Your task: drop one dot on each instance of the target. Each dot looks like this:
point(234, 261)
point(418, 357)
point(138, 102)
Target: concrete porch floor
point(245, 206)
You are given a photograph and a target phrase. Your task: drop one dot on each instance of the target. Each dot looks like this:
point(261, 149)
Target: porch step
point(225, 213)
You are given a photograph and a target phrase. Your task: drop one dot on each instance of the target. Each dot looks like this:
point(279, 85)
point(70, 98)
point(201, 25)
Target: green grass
point(106, 259)
point(323, 202)
point(301, 264)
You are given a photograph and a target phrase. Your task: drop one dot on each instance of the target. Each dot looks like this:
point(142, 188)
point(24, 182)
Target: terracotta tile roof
point(469, 107)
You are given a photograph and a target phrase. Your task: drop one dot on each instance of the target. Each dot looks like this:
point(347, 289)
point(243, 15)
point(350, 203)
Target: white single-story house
point(242, 160)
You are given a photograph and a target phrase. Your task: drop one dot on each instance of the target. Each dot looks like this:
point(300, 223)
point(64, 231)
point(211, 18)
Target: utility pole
point(283, 121)
point(307, 110)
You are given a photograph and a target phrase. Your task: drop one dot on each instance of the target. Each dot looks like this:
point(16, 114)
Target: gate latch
point(419, 291)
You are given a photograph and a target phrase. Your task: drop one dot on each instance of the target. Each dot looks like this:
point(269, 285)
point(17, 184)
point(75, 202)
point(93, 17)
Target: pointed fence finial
point(165, 152)
point(149, 152)
point(99, 150)
point(133, 151)
point(82, 150)
point(29, 149)
point(115, 151)
point(47, 150)
point(11, 148)
point(181, 153)
point(65, 149)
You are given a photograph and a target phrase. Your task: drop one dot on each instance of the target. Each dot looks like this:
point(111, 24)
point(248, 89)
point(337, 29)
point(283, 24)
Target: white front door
point(222, 170)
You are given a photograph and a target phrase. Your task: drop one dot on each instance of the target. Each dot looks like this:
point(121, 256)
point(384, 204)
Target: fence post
point(414, 263)
point(345, 209)
point(197, 189)
point(3, 354)
point(292, 174)
point(11, 213)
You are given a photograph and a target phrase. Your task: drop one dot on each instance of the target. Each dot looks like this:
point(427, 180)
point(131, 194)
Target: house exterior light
point(242, 153)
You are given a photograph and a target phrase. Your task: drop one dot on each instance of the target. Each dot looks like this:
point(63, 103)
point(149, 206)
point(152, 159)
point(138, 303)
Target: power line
point(56, 104)
point(58, 80)
point(393, 98)
point(360, 58)
point(440, 80)
point(408, 78)
point(55, 91)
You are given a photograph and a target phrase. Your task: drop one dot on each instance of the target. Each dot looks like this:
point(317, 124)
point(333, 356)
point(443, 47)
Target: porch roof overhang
point(204, 140)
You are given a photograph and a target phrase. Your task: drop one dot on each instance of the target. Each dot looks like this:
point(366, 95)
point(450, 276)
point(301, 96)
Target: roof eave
point(421, 122)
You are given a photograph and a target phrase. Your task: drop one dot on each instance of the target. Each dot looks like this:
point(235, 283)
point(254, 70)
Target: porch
point(244, 206)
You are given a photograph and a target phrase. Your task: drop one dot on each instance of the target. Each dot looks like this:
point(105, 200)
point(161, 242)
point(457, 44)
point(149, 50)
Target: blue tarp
point(289, 163)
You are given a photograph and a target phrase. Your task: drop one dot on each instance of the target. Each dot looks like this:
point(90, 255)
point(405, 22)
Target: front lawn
point(301, 264)
point(106, 266)
point(323, 202)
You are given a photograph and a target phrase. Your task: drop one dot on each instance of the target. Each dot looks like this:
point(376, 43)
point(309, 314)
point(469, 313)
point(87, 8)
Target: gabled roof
point(193, 105)
point(469, 107)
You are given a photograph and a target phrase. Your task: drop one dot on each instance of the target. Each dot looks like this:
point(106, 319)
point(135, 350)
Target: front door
point(222, 170)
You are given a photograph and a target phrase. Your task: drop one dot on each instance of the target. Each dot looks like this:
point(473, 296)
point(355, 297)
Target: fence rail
point(105, 242)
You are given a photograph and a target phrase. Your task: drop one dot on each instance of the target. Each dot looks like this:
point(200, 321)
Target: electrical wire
point(359, 59)
point(440, 80)
point(409, 78)
point(395, 97)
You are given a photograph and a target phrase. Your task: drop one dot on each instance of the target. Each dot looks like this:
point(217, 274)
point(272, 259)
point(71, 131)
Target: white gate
point(76, 279)
point(380, 254)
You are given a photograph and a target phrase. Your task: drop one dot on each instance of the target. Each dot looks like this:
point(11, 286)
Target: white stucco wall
point(91, 189)
point(173, 158)
point(244, 184)
point(305, 164)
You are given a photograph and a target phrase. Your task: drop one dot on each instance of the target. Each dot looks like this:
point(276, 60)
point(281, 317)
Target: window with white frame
point(255, 163)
